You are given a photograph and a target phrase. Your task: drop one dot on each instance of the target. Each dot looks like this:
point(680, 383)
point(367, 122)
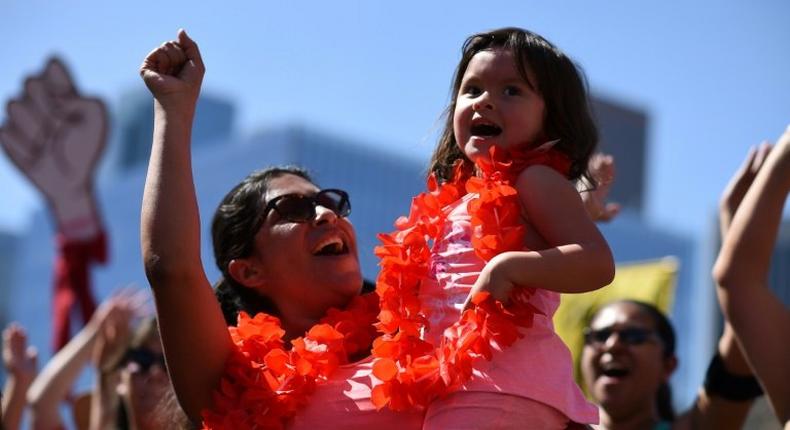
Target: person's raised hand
point(739, 184)
point(113, 320)
point(602, 169)
point(55, 136)
point(19, 359)
point(173, 73)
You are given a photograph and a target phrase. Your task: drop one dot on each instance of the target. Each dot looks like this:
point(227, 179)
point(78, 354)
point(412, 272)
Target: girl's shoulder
point(541, 177)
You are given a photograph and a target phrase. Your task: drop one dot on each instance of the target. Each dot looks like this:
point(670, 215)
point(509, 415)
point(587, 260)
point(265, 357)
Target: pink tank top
point(538, 366)
point(343, 402)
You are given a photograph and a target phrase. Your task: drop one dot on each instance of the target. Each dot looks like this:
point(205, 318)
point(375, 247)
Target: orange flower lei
point(264, 384)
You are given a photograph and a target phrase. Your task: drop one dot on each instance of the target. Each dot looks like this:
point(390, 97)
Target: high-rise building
point(213, 123)
point(623, 134)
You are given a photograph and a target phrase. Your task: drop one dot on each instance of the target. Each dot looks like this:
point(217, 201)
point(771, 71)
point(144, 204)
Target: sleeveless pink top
point(538, 366)
point(343, 402)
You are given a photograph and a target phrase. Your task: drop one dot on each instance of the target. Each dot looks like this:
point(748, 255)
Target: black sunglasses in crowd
point(629, 335)
point(301, 208)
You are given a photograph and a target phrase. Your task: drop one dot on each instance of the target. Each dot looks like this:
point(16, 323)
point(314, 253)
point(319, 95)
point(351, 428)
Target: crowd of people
point(458, 333)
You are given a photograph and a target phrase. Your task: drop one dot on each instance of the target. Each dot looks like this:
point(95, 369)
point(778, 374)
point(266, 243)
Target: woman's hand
point(739, 184)
point(173, 73)
point(113, 320)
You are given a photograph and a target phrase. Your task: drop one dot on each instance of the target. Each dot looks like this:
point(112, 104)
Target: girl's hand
point(174, 72)
point(493, 279)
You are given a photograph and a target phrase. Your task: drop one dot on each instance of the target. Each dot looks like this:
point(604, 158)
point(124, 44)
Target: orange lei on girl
point(264, 384)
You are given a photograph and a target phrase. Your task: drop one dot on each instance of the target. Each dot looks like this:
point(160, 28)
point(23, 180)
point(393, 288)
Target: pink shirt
point(538, 366)
point(343, 402)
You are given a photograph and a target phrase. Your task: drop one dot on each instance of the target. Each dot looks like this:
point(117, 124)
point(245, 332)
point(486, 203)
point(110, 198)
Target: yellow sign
point(648, 281)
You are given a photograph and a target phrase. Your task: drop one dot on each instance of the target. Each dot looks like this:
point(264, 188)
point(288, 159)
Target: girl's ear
point(246, 272)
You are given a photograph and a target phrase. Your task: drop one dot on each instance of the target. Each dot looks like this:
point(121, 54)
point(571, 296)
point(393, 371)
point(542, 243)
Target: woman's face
point(622, 362)
point(305, 267)
point(144, 382)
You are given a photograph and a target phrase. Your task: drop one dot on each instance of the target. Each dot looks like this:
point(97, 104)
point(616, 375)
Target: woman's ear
point(246, 272)
point(670, 364)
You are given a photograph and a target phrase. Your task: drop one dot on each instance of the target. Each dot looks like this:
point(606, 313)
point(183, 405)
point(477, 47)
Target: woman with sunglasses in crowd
point(284, 246)
point(132, 389)
point(629, 356)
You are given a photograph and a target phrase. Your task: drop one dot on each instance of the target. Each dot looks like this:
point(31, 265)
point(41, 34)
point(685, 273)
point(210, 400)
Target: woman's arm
point(714, 407)
point(194, 335)
point(760, 321)
point(107, 353)
point(52, 386)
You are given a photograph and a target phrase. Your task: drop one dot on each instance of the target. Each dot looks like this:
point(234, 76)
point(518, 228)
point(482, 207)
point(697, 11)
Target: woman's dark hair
point(557, 79)
point(233, 229)
point(666, 333)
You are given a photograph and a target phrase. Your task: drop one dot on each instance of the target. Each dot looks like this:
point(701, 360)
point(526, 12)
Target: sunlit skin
point(640, 369)
point(143, 390)
point(492, 92)
point(285, 255)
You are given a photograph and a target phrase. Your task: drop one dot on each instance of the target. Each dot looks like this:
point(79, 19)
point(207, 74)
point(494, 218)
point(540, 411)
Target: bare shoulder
point(543, 180)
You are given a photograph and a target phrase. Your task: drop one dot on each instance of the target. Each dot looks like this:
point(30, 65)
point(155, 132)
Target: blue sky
point(712, 75)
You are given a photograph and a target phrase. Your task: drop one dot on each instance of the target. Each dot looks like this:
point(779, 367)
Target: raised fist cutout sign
point(55, 136)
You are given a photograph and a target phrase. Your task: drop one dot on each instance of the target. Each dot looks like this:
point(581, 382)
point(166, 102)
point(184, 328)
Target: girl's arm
point(578, 258)
point(760, 321)
point(194, 335)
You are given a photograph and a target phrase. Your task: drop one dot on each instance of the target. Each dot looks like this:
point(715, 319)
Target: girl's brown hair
point(557, 79)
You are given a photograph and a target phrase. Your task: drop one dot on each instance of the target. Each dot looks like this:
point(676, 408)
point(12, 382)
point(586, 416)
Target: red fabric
point(72, 283)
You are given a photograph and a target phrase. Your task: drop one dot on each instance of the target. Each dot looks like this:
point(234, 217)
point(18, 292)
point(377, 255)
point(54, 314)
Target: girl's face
point(305, 267)
point(623, 361)
point(496, 106)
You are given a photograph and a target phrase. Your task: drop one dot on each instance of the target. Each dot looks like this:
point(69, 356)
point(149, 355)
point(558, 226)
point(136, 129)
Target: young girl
point(507, 222)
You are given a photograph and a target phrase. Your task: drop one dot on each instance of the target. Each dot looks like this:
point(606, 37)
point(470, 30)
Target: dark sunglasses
point(143, 357)
point(301, 208)
point(629, 336)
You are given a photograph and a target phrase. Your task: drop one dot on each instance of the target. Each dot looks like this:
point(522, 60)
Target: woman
point(629, 356)
point(132, 389)
point(276, 234)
